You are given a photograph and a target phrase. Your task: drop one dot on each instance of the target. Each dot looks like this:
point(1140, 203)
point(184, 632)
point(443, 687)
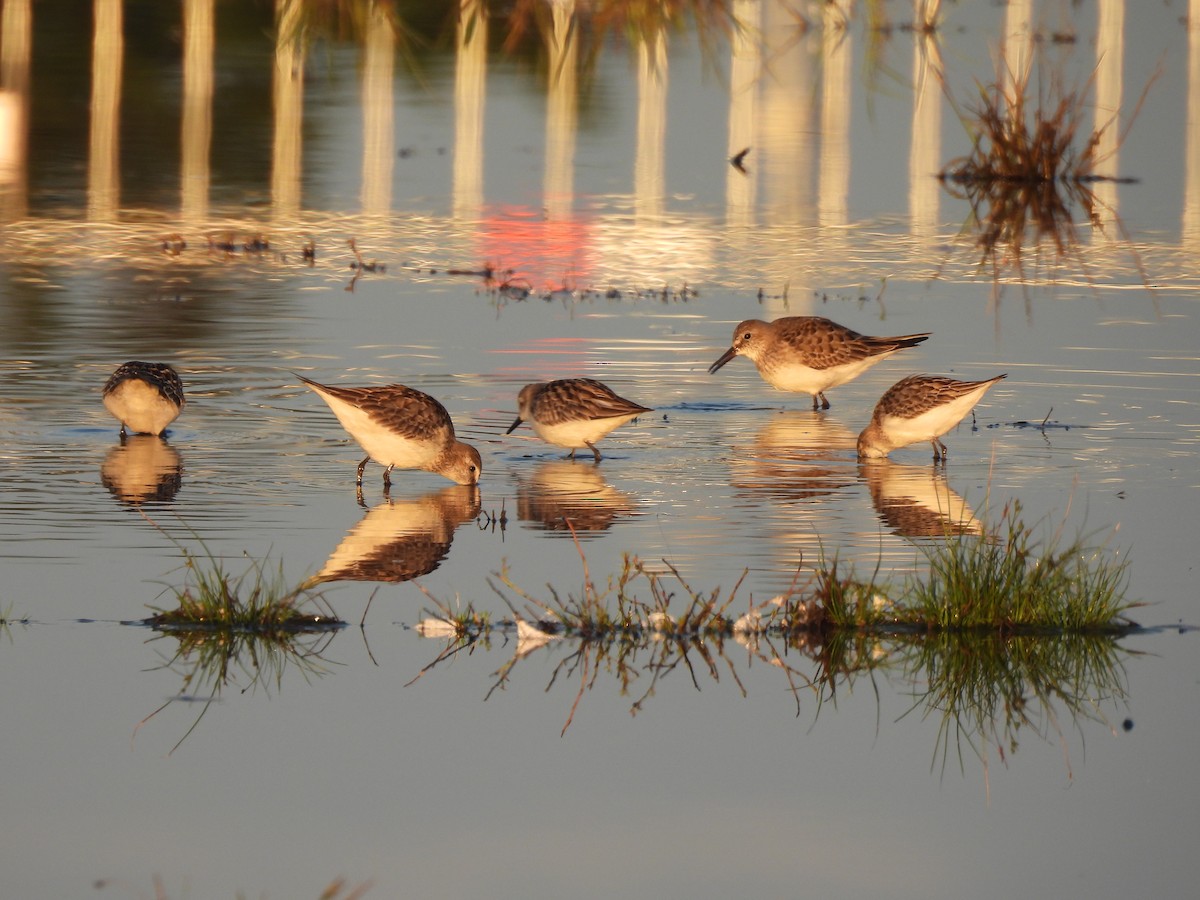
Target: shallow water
point(723, 779)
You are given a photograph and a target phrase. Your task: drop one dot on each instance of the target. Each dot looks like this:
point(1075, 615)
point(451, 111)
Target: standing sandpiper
point(574, 412)
point(144, 397)
point(401, 428)
point(919, 408)
point(810, 354)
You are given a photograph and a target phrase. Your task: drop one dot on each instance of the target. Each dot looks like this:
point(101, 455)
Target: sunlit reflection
point(786, 126)
point(925, 148)
point(1110, 74)
point(1191, 186)
point(796, 455)
point(571, 497)
point(108, 51)
point(470, 98)
point(379, 139)
point(650, 159)
point(834, 176)
point(196, 141)
point(916, 501)
point(1017, 46)
point(562, 112)
point(16, 47)
point(288, 103)
point(142, 468)
point(744, 74)
point(400, 540)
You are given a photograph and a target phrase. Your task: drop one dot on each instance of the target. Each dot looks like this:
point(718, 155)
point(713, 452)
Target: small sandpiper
point(574, 412)
point(810, 354)
point(144, 397)
point(919, 408)
point(401, 428)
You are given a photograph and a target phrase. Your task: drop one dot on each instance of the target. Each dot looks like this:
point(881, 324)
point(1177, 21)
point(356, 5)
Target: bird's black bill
point(513, 426)
point(725, 357)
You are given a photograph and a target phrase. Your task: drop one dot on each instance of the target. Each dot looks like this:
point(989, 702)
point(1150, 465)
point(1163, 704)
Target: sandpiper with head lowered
point(810, 354)
point(401, 428)
point(144, 397)
point(919, 408)
point(574, 412)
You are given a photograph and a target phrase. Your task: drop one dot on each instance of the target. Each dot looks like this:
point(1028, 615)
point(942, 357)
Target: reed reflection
point(649, 185)
point(834, 172)
point(562, 110)
point(470, 99)
point(288, 105)
point(400, 540)
point(1110, 75)
point(16, 52)
point(1190, 228)
point(741, 182)
point(142, 468)
point(916, 501)
point(571, 497)
point(925, 149)
point(198, 79)
point(108, 50)
point(379, 138)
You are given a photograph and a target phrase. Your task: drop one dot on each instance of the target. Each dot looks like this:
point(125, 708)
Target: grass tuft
point(256, 601)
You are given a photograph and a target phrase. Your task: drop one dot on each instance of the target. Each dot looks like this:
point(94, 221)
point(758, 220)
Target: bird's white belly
point(141, 407)
point(801, 379)
point(930, 424)
point(579, 432)
point(384, 445)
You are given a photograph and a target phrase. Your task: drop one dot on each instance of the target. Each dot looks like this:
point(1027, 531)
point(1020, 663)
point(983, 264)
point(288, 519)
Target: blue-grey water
point(634, 250)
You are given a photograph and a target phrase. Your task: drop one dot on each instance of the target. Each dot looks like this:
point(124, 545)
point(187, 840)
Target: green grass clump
point(255, 601)
point(1018, 582)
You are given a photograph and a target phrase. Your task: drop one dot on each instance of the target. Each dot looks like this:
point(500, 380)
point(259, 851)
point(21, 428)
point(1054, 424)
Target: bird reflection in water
point(142, 468)
point(916, 501)
point(796, 455)
point(564, 490)
point(400, 540)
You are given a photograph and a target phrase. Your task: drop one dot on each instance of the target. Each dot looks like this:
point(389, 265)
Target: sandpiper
point(400, 427)
point(144, 397)
point(810, 354)
point(919, 408)
point(574, 412)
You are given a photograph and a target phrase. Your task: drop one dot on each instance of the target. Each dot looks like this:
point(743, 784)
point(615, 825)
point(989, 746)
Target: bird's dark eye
point(746, 336)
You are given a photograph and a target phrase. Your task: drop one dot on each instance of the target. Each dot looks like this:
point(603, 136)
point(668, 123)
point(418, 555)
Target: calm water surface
point(723, 779)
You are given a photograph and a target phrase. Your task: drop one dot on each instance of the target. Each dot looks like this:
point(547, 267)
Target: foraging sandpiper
point(810, 354)
point(919, 408)
point(401, 428)
point(144, 397)
point(574, 412)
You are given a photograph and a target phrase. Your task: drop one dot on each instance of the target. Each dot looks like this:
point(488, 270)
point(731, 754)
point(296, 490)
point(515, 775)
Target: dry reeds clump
point(1033, 161)
point(1029, 168)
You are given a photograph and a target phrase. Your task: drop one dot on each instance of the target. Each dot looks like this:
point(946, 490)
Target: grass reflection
point(239, 631)
point(986, 690)
point(1009, 631)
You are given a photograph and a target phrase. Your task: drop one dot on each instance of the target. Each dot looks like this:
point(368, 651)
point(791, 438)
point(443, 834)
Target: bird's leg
point(595, 452)
point(824, 400)
point(939, 451)
point(387, 478)
point(362, 465)
point(359, 494)
point(571, 455)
